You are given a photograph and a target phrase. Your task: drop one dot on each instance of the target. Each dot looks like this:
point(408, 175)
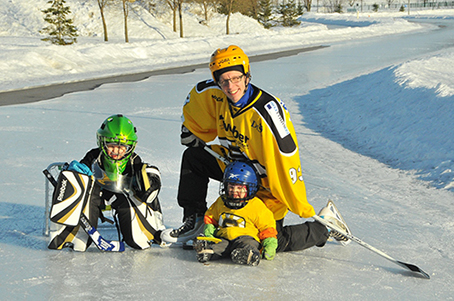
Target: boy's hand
point(269, 248)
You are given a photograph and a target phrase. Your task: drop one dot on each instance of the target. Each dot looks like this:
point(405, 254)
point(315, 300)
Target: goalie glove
point(79, 167)
point(148, 183)
point(189, 139)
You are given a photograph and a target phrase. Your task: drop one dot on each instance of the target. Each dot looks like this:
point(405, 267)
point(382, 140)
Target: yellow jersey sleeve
point(199, 110)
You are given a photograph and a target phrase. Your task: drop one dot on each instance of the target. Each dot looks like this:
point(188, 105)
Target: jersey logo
point(220, 99)
point(231, 220)
point(273, 117)
point(257, 125)
point(234, 132)
point(278, 121)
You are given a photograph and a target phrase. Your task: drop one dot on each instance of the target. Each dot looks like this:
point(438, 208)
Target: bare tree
point(126, 7)
point(180, 16)
point(227, 22)
point(308, 5)
point(102, 4)
point(227, 7)
point(173, 4)
point(149, 5)
point(252, 7)
point(206, 6)
point(334, 5)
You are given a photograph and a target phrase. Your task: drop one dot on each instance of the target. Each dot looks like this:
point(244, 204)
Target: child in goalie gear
point(240, 220)
point(122, 181)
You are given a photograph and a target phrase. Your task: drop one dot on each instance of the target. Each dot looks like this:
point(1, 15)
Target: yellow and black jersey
point(261, 132)
point(254, 219)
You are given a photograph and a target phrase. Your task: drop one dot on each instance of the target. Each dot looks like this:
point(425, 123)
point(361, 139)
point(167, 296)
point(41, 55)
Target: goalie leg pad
point(139, 223)
point(70, 197)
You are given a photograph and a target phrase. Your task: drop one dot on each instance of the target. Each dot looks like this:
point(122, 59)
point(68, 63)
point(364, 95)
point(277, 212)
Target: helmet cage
point(119, 130)
point(243, 174)
point(104, 142)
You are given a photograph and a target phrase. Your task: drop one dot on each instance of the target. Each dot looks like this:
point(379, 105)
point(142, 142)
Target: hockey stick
point(216, 155)
point(224, 160)
point(101, 243)
point(408, 266)
point(411, 267)
point(212, 239)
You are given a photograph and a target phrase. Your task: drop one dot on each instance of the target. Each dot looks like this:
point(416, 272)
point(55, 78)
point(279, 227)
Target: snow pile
point(434, 72)
point(408, 128)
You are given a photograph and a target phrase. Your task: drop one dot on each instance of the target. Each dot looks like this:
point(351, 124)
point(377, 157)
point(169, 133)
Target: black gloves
point(189, 139)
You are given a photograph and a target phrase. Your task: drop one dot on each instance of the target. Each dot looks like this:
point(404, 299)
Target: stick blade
point(413, 268)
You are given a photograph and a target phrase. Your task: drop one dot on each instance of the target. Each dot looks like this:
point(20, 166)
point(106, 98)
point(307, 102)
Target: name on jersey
point(235, 133)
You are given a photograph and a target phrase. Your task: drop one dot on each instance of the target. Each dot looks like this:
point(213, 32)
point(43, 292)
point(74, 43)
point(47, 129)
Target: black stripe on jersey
point(267, 106)
point(206, 84)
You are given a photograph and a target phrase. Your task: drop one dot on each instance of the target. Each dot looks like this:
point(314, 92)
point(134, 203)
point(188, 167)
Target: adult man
point(250, 125)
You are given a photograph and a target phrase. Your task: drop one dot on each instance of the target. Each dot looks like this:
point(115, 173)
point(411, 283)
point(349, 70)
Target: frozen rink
point(373, 118)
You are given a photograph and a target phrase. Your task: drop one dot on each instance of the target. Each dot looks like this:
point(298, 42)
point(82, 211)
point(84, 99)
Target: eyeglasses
point(233, 80)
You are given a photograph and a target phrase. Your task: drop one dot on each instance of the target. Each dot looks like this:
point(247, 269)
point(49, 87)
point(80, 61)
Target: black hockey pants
point(197, 168)
point(300, 236)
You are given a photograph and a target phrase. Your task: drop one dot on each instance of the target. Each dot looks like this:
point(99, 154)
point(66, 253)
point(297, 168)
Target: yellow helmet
point(227, 59)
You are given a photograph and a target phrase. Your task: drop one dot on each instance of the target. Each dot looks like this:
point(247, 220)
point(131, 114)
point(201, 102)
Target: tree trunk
point(205, 11)
point(104, 25)
point(180, 15)
point(175, 20)
point(102, 4)
point(227, 29)
point(125, 14)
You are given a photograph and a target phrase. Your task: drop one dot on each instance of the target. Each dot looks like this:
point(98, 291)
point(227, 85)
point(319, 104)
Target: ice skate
point(333, 216)
point(192, 226)
point(246, 256)
point(203, 250)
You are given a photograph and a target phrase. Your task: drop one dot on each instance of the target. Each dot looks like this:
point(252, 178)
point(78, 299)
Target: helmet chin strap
point(247, 81)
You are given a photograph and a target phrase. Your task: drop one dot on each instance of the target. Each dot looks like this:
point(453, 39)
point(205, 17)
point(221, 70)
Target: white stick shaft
point(411, 267)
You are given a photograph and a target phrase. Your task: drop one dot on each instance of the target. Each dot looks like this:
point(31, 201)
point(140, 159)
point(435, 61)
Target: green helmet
point(116, 130)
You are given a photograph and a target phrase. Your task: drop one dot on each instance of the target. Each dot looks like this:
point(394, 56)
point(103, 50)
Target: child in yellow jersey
point(239, 219)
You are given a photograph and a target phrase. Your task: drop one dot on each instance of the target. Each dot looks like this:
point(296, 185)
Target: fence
point(330, 5)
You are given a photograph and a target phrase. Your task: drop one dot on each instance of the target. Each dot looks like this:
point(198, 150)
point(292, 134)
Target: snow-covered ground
point(374, 133)
point(26, 61)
